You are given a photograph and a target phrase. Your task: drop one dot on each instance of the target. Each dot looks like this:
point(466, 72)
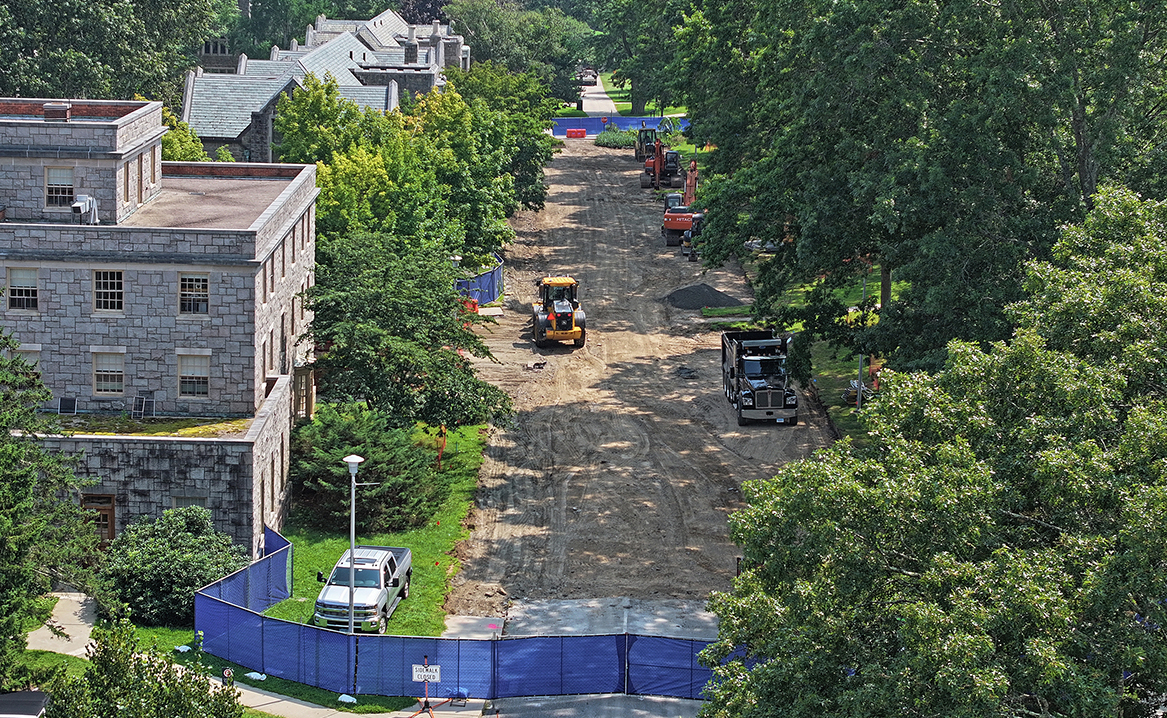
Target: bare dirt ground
point(624, 459)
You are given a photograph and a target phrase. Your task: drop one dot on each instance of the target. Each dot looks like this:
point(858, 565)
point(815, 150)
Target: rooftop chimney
point(58, 111)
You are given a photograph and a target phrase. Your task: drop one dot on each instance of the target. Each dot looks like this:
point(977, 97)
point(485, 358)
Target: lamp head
point(353, 462)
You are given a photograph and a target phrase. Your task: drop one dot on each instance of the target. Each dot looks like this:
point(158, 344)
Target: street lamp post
point(354, 463)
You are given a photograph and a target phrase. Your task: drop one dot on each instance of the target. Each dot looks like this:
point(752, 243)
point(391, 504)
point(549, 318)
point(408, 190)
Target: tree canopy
point(998, 549)
point(945, 143)
point(545, 41)
point(105, 49)
point(44, 534)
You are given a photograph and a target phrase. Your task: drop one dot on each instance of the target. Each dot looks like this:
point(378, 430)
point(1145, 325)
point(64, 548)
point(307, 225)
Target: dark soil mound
point(699, 296)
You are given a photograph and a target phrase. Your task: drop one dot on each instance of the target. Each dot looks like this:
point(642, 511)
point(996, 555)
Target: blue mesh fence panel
point(593, 664)
point(212, 618)
point(476, 668)
point(485, 287)
point(273, 542)
point(666, 667)
point(234, 588)
point(281, 649)
point(248, 652)
point(326, 659)
point(595, 125)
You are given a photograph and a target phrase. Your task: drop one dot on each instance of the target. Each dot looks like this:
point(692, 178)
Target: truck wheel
point(741, 420)
point(692, 255)
point(405, 588)
point(382, 622)
point(645, 181)
point(583, 337)
point(793, 421)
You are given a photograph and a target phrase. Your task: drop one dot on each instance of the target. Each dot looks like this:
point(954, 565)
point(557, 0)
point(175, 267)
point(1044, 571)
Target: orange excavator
point(662, 168)
point(679, 219)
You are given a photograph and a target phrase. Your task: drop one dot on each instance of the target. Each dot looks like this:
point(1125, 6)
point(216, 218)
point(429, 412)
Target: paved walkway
point(75, 614)
point(596, 101)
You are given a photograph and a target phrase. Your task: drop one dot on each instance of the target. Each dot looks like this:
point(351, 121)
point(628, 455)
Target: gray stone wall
point(243, 480)
point(22, 187)
point(144, 474)
point(178, 246)
point(149, 333)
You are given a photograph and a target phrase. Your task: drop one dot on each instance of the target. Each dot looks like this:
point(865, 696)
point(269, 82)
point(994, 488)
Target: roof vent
point(58, 111)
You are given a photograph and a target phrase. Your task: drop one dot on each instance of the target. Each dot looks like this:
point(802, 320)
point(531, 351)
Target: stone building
point(153, 288)
point(372, 61)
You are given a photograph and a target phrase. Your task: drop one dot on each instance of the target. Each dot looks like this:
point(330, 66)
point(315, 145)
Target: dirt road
point(624, 460)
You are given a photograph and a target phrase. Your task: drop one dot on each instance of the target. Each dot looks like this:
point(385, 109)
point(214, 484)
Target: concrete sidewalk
point(596, 101)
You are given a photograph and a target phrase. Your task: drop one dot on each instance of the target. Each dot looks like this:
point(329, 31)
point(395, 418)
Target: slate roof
point(376, 97)
point(339, 56)
point(221, 105)
point(380, 32)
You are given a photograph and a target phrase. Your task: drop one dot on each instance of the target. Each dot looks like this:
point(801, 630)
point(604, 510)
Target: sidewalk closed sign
point(427, 674)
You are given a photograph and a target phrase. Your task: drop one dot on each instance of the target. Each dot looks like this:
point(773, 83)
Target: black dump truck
point(757, 384)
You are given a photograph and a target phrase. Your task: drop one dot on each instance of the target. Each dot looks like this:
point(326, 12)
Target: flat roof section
point(208, 202)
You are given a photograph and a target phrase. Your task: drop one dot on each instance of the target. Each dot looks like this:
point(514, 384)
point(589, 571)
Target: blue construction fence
point(228, 615)
point(595, 125)
point(485, 287)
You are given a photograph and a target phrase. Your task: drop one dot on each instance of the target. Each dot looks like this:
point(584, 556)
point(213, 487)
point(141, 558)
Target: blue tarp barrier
point(228, 614)
point(484, 288)
point(595, 125)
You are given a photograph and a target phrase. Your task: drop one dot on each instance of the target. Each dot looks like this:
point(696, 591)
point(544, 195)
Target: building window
point(126, 184)
point(22, 289)
point(154, 166)
point(32, 357)
point(58, 186)
point(109, 373)
point(263, 271)
point(284, 257)
point(108, 291)
point(102, 507)
point(194, 293)
point(271, 275)
point(181, 502)
point(194, 375)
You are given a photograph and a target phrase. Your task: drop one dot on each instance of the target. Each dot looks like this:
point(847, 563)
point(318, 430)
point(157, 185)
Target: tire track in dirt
point(624, 459)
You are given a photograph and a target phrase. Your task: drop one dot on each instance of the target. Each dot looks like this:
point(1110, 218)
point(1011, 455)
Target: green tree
point(105, 48)
point(520, 102)
point(180, 143)
point(944, 143)
point(544, 42)
point(155, 567)
point(405, 490)
point(635, 39)
point(125, 679)
point(997, 549)
point(394, 331)
point(44, 533)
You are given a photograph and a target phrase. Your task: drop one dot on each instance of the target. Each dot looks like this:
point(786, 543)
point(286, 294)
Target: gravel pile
point(699, 296)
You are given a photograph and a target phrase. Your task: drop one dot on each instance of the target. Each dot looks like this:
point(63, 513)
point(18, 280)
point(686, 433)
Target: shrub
point(155, 567)
point(127, 680)
point(617, 139)
point(405, 490)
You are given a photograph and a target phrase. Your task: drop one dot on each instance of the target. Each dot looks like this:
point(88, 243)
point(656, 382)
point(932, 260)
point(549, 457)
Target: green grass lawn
point(623, 99)
point(570, 111)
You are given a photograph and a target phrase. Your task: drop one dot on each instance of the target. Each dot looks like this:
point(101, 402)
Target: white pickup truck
point(381, 582)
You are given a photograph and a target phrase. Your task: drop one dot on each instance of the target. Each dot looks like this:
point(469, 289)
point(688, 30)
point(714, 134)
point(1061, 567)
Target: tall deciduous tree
point(104, 48)
point(945, 142)
point(394, 332)
point(998, 548)
point(43, 532)
point(545, 41)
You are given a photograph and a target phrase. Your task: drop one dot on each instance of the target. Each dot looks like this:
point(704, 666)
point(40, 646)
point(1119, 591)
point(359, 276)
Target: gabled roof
point(273, 68)
point(221, 105)
point(380, 32)
point(339, 57)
